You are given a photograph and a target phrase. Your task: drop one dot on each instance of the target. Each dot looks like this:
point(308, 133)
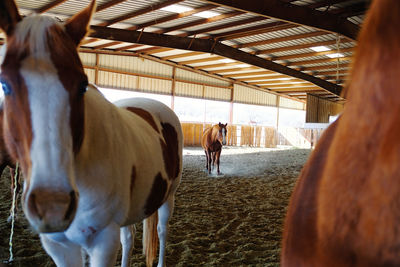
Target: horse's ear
point(226, 124)
point(9, 16)
point(219, 124)
point(78, 26)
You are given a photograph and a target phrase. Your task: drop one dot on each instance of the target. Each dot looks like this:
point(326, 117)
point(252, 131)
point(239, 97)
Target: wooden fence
point(255, 136)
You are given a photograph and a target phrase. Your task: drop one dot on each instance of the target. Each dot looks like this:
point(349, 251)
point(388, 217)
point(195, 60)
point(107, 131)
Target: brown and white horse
point(91, 169)
point(212, 141)
point(345, 209)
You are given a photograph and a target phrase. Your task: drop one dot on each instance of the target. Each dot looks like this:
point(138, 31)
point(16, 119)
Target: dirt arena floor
point(232, 219)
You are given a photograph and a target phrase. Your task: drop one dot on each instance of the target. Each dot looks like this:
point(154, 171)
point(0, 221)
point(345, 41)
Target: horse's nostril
point(72, 206)
point(32, 206)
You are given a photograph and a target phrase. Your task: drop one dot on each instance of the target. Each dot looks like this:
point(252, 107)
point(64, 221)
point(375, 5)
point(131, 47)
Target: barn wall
point(246, 95)
point(144, 75)
point(255, 136)
point(318, 109)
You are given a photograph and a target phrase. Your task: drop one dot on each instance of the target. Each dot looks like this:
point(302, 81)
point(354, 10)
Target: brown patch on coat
point(72, 77)
point(157, 194)
point(170, 150)
point(144, 115)
point(17, 129)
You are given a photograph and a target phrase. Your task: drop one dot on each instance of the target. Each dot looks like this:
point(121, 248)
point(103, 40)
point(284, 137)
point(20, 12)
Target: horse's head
point(44, 84)
point(221, 134)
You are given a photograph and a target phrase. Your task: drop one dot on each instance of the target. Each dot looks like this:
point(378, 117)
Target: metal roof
point(274, 35)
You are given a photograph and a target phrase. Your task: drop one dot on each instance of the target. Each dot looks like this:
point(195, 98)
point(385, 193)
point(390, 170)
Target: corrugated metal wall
point(138, 74)
point(318, 109)
point(248, 95)
point(181, 74)
point(289, 103)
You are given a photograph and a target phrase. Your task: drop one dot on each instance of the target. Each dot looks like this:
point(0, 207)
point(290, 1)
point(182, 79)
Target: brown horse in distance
point(212, 141)
point(345, 208)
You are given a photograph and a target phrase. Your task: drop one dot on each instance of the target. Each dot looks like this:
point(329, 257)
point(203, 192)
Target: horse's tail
point(150, 238)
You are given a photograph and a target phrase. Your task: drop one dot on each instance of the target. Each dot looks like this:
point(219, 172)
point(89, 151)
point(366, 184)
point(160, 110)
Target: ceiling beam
point(108, 4)
point(353, 10)
point(258, 29)
point(189, 24)
point(300, 46)
point(282, 39)
point(160, 21)
point(324, 3)
point(296, 14)
point(313, 54)
point(140, 12)
point(208, 46)
point(49, 6)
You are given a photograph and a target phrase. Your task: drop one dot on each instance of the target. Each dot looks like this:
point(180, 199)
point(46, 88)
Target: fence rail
point(255, 136)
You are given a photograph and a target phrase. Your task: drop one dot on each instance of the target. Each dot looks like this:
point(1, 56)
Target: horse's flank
point(345, 207)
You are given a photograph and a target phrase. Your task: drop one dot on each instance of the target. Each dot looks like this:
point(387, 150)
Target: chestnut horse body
point(212, 141)
point(91, 169)
point(345, 208)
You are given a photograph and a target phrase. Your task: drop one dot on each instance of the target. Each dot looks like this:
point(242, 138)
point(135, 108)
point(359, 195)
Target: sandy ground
point(233, 219)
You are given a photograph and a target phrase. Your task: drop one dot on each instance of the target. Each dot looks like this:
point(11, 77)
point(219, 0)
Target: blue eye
point(6, 87)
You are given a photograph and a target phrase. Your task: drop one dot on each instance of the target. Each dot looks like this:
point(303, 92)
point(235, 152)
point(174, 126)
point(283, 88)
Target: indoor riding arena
point(271, 71)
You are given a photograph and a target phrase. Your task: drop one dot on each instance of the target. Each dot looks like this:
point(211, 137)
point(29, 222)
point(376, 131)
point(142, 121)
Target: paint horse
point(212, 141)
point(91, 169)
point(6, 161)
point(345, 207)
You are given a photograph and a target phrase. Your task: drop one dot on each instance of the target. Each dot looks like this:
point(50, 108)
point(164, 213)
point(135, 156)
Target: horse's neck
point(102, 126)
point(212, 135)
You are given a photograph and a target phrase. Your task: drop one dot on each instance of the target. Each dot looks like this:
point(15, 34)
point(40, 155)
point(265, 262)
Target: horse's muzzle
point(50, 211)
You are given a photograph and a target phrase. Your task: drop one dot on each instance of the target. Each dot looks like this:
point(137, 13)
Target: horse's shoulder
point(301, 225)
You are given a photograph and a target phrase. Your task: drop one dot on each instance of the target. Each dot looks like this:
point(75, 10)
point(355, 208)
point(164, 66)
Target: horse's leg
point(164, 213)
point(104, 246)
point(127, 235)
point(213, 160)
point(205, 151)
point(209, 156)
point(63, 253)
point(218, 154)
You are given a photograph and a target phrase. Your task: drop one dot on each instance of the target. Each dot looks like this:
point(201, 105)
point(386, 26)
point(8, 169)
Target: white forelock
point(35, 28)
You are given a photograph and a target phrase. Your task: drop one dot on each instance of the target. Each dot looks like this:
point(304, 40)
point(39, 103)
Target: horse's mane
point(33, 30)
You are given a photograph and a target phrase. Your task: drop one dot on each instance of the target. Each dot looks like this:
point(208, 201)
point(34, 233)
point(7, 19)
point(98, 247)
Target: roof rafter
point(207, 46)
point(190, 24)
point(295, 14)
point(50, 6)
point(300, 46)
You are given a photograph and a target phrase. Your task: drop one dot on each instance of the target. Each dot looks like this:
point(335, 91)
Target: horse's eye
point(83, 87)
point(6, 87)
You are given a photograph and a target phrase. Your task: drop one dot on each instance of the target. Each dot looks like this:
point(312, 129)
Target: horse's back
point(157, 109)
